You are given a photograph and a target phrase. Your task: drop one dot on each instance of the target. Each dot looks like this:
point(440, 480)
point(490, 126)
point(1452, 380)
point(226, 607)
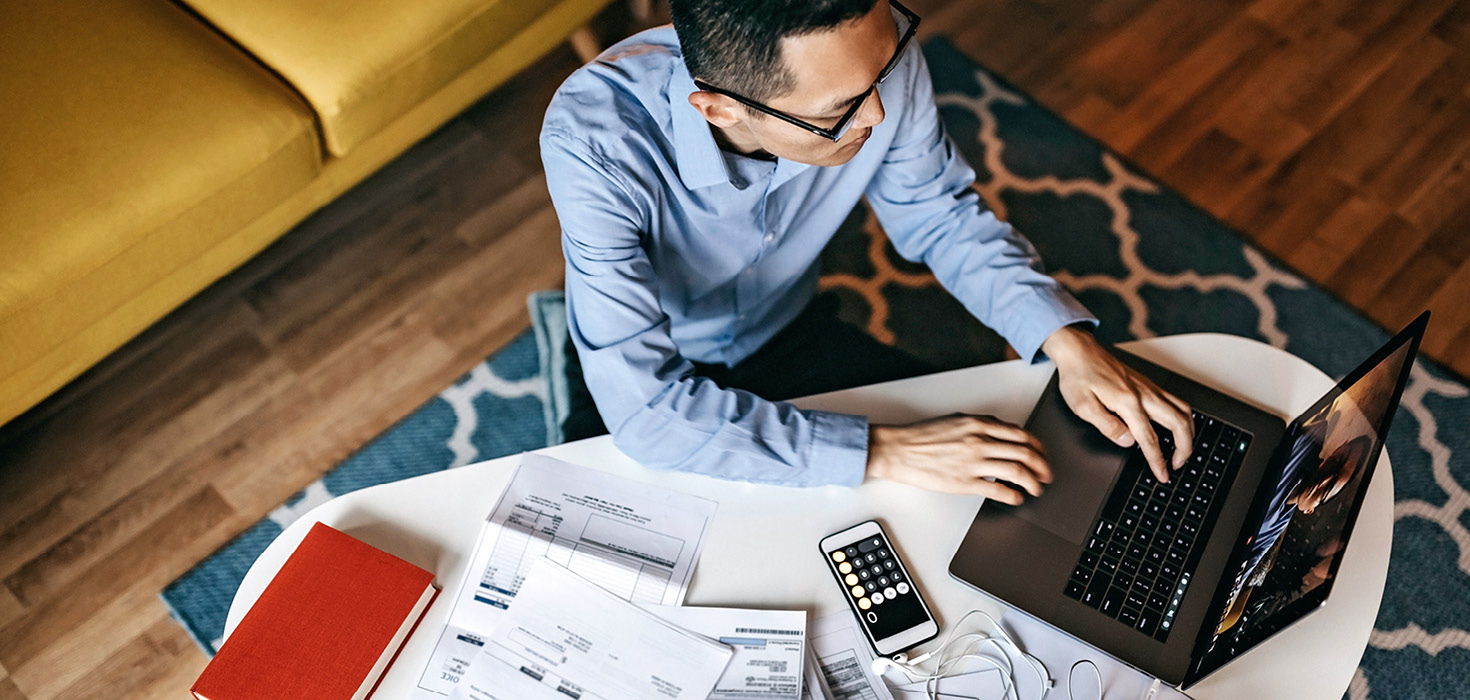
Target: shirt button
point(770, 237)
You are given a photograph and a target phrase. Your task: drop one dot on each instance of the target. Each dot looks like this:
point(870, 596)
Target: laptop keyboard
point(1137, 562)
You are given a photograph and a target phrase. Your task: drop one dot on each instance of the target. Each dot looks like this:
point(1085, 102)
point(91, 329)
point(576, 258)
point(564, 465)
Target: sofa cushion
point(362, 63)
point(135, 139)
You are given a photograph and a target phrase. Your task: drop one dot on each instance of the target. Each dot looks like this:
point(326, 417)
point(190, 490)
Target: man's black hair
point(735, 44)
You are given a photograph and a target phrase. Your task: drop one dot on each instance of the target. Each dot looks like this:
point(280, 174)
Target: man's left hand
point(1118, 401)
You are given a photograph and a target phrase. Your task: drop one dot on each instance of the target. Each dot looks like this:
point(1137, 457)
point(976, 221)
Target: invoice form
point(636, 540)
point(770, 648)
point(846, 659)
point(568, 639)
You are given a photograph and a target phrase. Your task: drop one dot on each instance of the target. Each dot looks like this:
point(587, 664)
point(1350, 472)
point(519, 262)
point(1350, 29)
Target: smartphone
point(878, 588)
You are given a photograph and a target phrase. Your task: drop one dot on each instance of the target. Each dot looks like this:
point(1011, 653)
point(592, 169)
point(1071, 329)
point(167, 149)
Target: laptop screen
point(1283, 567)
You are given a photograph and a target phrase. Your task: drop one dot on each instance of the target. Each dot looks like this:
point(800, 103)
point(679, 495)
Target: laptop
point(1178, 579)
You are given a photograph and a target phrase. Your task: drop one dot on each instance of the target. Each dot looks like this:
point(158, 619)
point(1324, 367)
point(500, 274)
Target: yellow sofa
point(148, 147)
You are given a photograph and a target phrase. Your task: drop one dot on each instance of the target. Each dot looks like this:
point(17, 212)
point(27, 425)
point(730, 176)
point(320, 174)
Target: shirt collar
point(700, 161)
point(698, 156)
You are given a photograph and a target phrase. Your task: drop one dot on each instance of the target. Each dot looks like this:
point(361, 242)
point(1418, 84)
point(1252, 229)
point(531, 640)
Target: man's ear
point(717, 109)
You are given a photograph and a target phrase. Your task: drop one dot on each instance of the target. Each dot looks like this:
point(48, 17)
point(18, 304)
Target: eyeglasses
point(907, 23)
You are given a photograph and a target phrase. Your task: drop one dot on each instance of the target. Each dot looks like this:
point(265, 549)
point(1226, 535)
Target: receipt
point(846, 659)
point(814, 685)
point(566, 638)
point(770, 648)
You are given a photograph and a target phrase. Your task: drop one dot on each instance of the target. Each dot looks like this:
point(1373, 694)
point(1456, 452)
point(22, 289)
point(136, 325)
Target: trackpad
point(1084, 465)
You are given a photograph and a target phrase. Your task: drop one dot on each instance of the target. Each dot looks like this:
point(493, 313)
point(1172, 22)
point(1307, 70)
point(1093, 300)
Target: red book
point(327, 626)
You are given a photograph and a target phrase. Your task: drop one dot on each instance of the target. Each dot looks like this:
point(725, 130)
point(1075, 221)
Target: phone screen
point(877, 586)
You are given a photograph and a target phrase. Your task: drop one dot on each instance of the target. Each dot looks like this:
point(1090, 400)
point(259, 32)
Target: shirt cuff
point(839, 449)
point(1048, 311)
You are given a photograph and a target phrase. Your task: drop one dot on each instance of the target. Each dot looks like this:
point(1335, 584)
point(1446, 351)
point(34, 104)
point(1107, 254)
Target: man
point(698, 172)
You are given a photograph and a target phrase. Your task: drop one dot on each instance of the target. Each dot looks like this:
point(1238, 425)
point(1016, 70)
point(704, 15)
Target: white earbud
point(881, 665)
point(972, 641)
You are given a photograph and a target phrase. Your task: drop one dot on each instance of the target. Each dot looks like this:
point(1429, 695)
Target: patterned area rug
point(1143, 259)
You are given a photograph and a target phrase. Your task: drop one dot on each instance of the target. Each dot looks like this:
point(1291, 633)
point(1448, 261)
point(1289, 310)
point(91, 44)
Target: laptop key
point(1128, 616)
point(1074, 590)
point(1156, 601)
point(1148, 621)
point(1094, 594)
point(1111, 602)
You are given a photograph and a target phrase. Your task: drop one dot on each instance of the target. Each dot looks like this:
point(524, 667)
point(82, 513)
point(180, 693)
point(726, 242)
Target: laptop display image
point(1287, 564)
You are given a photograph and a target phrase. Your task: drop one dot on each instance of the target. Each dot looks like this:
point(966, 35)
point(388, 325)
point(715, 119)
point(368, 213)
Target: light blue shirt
point(678, 251)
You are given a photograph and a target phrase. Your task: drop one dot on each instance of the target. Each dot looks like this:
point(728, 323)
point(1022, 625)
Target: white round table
point(761, 549)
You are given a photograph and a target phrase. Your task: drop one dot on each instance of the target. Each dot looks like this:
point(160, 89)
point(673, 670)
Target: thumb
point(1106, 423)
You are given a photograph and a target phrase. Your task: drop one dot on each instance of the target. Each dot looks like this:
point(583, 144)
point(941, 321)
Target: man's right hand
point(955, 454)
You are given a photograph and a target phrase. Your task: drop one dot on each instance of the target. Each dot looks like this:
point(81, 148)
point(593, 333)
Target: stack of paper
point(573, 592)
point(845, 660)
point(637, 541)
point(770, 649)
point(565, 637)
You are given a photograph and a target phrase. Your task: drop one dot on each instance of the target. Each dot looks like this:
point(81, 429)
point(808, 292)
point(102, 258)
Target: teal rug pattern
point(1145, 260)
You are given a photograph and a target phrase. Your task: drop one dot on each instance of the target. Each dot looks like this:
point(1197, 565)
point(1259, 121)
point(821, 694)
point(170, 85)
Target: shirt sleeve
point(923, 196)
point(660, 413)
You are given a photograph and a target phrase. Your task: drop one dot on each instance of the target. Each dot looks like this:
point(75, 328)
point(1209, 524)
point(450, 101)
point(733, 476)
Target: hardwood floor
point(1335, 134)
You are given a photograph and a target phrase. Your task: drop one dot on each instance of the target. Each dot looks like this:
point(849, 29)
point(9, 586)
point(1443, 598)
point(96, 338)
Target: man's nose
point(871, 113)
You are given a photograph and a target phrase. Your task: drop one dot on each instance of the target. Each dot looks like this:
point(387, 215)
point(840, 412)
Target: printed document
point(770, 648)
point(636, 540)
point(814, 682)
point(566, 637)
point(846, 659)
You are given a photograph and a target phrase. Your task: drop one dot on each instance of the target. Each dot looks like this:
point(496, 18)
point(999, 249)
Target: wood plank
point(8, 691)
point(1376, 260)
point(70, 634)
point(52, 501)
point(1183, 80)
point(10, 606)
point(135, 664)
